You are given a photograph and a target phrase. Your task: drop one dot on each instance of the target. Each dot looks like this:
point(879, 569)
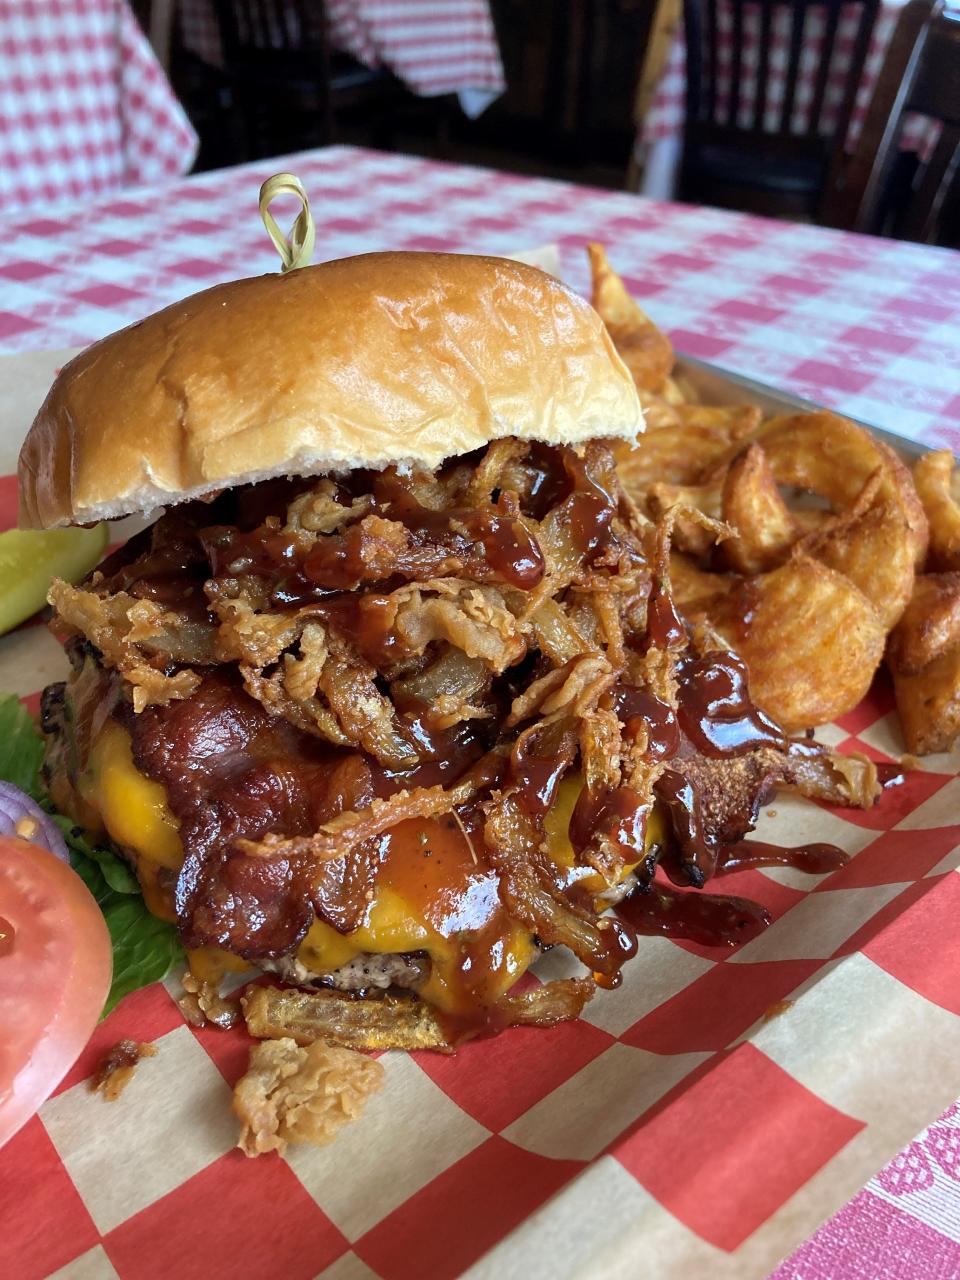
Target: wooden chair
point(883, 190)
point(768, 156)
point(286, 80)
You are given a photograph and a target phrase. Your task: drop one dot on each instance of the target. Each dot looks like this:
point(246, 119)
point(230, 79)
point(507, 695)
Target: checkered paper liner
point(702, 1120)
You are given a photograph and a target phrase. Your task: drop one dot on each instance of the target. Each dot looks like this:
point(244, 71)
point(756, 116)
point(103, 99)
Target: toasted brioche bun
point(363, 362)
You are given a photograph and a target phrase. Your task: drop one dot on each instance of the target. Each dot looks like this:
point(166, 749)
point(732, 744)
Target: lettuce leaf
point(145, 948)
point(21, 747)
point(114, 870)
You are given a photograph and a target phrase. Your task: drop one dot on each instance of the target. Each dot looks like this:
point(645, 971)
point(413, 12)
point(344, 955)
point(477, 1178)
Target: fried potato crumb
point(291, 1094)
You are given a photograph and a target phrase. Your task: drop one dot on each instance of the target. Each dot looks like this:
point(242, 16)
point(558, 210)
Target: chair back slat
point(763, 68)
point(694, 58)
point(845, 114)
point(798, 18)
point(771, 87)
point(936, 88)
point(728, 49)
point(941, 171)
point(736, 76)
point(921, 73)
point(712, 41)
point(251, 26)
point(826, 61)
point(256, 15)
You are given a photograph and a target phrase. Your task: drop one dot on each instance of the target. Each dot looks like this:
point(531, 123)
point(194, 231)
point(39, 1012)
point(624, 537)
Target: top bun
point(363, 362)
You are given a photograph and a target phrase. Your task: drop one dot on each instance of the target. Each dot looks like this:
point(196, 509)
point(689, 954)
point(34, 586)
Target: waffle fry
point(839, 555)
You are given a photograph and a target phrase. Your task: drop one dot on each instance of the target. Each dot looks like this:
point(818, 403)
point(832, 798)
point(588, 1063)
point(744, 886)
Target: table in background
point(870, 326)
point(433, 46)
point(85, 107)
point(660, 137)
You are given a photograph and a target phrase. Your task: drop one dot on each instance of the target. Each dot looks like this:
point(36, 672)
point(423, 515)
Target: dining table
point(85, 107)
point(736, 1144)
point(659, 138)
point(433, 47)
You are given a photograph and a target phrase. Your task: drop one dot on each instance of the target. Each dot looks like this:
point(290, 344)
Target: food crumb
point(202, 1003)
point(909, 762)
point(117, 1067)
point(771, 813)
point(775, 1010)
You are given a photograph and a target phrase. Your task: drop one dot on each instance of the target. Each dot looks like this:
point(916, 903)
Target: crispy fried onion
point(822, 774)
point(202, 1002)
point(453, 684)
point(398, 1022)
point(297, 668)
point(727, 794)
point(318, 510)
point(294, 1094)
point(308, 671)
point(528, 888)
point(133, 636)
point(474, 619)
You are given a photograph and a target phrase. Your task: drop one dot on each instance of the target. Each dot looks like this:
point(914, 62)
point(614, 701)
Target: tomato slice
point(56, 962)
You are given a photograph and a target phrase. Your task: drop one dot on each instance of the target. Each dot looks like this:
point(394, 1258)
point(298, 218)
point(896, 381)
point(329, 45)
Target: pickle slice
point(30, 560)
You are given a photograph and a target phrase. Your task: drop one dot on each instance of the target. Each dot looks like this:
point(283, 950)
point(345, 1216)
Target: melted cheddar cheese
point(133, 809)
point(431, 894)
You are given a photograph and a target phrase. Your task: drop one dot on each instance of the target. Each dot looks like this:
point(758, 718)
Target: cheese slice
point(134, 809)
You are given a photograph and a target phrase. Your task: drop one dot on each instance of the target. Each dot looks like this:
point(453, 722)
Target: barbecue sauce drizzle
point(705, 918)
point(714, 715)
point(489, 545)
point(714, 718)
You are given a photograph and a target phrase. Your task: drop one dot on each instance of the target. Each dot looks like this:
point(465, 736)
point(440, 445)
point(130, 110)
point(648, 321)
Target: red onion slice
point(23, 817)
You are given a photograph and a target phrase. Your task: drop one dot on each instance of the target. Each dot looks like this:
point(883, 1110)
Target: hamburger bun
point(362, 362)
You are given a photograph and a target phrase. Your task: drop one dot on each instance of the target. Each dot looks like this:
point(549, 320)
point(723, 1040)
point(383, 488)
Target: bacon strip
point(341, 835)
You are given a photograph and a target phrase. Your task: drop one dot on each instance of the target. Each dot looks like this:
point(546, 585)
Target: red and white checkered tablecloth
point(664, 119)
point(687, 1123)
point(85, 107)
point(433, 46)
point(868, 326)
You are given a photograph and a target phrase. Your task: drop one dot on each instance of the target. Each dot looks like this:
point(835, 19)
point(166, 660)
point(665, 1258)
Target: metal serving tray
point(714, 385)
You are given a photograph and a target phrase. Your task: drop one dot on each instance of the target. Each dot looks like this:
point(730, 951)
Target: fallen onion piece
point(397, 1022)
point(20, 816)
point(545, 1006)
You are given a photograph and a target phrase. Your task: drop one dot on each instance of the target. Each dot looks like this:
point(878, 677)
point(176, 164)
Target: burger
point(391, 695)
